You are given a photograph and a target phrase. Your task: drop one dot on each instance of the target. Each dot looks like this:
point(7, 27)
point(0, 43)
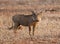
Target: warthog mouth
point(36, 21)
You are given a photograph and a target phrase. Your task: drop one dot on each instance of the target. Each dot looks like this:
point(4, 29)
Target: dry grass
point(47, 30)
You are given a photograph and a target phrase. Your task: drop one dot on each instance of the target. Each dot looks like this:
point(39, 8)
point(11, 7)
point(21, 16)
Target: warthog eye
point(33, 18)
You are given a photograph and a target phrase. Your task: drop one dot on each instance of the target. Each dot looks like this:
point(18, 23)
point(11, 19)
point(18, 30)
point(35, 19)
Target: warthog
point(25, 20)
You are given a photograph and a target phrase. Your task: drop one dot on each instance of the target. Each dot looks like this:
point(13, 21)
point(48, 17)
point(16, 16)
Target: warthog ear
point(33, 13)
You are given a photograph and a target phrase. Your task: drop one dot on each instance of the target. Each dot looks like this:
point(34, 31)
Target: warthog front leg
point(29, 30)
point(34, 25)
